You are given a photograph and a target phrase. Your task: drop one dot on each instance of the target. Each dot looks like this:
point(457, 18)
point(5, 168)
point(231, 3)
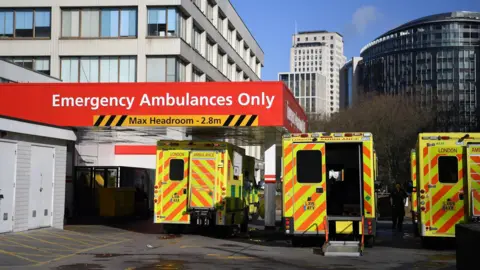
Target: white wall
point(22, 187)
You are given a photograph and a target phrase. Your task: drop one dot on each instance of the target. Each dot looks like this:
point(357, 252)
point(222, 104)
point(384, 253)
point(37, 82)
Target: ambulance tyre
point(244, 225)
point(426, 242)
point(369, 241)
point(173, 229)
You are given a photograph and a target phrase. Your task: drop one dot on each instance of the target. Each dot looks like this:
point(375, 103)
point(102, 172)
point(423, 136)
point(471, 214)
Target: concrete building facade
point(320, 52)
point(130, 41)
point(349, 83)
point(310, 90)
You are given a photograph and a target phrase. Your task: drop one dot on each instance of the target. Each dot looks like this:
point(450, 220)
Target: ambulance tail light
point(422, 208)
point(357, 134)
point(304, 135)
point(422, 191)
point(348, 135)
point(414, 190)
point(288, 225)
point(444, 137)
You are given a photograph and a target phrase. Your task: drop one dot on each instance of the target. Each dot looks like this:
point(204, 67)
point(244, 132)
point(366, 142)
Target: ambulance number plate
point(309, 205)
point(448, 206)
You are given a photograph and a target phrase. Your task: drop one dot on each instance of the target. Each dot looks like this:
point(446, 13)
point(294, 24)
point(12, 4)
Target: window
point(448, 169)
point(197, 76)
point(163, 22)
point(165, 69)
point(309, 166)
point(220, 23)
point(210, 45)
point(210, 11)
point(230, 34)
point(95, 23)
point(99, 69)
point(177, 167)
point(230, 70)
point(25, 23)
point(40, 64)
point(90, 23)
point(197, 39)
point(220, 59)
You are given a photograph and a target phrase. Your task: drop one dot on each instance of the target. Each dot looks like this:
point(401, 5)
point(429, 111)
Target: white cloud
point(364, 16)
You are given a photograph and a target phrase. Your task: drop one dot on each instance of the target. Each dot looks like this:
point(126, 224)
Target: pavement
point(107, 247)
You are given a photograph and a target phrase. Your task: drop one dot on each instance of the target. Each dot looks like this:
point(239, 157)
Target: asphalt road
point(102, 247)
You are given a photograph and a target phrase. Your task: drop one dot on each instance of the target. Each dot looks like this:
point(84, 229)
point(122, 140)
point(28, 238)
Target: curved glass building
point(435, 60)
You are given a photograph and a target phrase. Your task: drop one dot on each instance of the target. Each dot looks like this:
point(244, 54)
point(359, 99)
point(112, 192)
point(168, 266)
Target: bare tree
point(394, 121)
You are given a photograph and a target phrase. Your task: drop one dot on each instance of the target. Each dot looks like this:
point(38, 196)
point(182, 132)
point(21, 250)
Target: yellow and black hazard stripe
point(109, 120)
point(241, 121)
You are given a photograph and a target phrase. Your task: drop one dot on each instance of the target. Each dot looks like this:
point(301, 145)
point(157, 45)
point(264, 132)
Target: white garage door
point(7, 184)
point(41, 187)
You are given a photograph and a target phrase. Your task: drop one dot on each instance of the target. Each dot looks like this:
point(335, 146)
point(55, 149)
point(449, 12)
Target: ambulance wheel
point(244, 225)
point(296, 241)
point(173, 229)
point(369, 241)
point(426, 242)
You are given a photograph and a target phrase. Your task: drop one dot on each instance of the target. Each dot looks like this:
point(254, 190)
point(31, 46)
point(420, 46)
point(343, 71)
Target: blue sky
point(272, 22)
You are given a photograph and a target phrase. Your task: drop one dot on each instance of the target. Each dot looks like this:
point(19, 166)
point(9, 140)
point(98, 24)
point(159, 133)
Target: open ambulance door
point(445, 189)
point(473, 167)
point(174, 183)
point(309, 188)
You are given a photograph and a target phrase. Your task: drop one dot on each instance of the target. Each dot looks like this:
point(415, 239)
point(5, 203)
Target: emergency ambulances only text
point(167, 100)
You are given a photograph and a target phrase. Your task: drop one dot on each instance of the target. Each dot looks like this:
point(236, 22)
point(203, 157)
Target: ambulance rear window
point(309, 166)
point(176, 169)
point(448, 170)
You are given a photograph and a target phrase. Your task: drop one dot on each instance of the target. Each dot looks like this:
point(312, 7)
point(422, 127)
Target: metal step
point(342, 249)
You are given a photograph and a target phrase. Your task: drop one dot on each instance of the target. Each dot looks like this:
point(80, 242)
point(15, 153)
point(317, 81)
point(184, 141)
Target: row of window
point(109, 23)
point(119, 69)
point(314, 38)
point(25, 23)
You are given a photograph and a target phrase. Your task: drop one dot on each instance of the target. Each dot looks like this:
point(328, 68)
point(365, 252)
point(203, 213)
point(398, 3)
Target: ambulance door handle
point(319, 190)
point(460, 196)
point(184, 191)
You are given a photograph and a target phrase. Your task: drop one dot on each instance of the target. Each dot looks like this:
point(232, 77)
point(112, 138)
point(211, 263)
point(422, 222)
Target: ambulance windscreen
point(309, 166)
point(448, 170)
point(176, 169)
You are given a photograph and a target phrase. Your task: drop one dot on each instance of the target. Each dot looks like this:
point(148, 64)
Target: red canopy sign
point(154, 104)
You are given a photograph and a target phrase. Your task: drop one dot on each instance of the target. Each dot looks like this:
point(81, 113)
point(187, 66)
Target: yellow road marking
point(37, 255)
point(73, 240)
point(230, 257)
point(81, 251)
point(45, 241)
point(189, 246)
point(97, 240)
point(23, 245)
point(18, 256)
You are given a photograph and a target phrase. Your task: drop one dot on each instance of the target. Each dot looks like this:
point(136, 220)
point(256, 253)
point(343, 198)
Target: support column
point(270, 181)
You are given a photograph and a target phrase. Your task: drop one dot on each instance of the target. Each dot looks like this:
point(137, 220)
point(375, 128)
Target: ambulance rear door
point(309, 188)
point(173, 169)
point(473, 168)
point(203, 176)
point(446, 189)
